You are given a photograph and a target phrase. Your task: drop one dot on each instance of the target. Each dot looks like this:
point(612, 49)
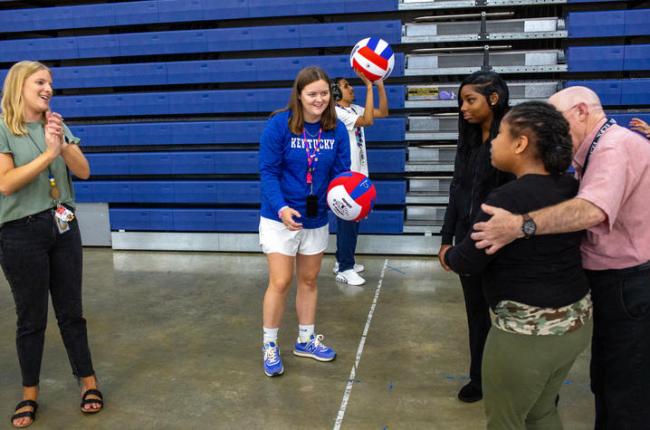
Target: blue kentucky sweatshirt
point(283, 167)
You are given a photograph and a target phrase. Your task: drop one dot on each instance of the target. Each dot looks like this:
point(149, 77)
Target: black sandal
point(85, 401)
point(27, 414)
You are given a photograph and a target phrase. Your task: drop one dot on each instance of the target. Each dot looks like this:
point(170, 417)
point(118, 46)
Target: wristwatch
point(528, 227)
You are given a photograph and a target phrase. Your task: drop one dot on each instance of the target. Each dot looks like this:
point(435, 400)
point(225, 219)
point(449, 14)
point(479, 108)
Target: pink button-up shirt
point(617, 180)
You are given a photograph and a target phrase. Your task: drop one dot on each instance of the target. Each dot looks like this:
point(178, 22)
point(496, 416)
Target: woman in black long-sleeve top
point(483, 101)
point(535, 286)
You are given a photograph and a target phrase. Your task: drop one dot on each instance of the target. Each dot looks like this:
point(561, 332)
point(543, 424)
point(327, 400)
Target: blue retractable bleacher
point(194, 72)
point(205, 188)
point(217, 192)
point(168, 11)
point(380, 221)
point(617, 92)
point(196, 41)
point(214, 162)
point(608, 58)
point(609, 91)
point(595, 58)
point(596, 24)
point(637, 57)
point(612, 23)
point(207, 132)
point(190, 102)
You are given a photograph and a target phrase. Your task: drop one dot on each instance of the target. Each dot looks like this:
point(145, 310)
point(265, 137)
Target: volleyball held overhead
point(351, 196)
point(373, 57)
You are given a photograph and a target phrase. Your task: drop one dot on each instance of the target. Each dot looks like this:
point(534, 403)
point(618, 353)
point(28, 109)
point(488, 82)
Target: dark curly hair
point(547, 130)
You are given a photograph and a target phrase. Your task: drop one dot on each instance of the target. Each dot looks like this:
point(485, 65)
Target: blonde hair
point(13, 104)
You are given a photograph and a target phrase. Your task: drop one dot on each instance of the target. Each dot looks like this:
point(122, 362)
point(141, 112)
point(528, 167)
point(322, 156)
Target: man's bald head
point(571, 96)
point(581, 107)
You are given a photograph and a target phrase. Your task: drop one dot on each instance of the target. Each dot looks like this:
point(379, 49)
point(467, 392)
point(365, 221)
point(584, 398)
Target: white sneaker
point(357, 268)
point(350, 277)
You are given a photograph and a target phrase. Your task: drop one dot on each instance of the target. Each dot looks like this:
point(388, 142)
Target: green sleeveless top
point(35, 196)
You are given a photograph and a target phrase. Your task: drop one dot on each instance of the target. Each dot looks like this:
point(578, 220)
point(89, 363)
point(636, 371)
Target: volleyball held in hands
point(373, 57)
point(351, 196)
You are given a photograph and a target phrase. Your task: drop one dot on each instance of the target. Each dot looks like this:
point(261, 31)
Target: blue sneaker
point(272, 360)
point(314, 349)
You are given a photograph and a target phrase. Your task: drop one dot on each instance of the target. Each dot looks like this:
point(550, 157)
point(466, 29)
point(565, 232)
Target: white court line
point(362, 342)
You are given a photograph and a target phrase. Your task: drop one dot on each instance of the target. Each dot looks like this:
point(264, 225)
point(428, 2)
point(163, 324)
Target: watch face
point(529, 227)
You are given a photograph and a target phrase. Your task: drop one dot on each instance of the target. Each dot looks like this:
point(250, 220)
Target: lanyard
point(54, 189)
point(610, 122)
point(312, 157)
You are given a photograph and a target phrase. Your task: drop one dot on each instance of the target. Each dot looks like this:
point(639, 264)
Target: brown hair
point(297, 121)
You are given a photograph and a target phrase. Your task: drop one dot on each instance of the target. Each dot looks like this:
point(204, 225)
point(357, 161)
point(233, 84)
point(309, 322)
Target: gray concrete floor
point(176, 344)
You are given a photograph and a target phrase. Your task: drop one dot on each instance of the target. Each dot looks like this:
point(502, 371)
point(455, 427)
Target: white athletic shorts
point(276, 237)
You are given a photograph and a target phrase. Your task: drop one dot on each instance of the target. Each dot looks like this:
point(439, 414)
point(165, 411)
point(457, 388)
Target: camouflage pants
point(522, 375)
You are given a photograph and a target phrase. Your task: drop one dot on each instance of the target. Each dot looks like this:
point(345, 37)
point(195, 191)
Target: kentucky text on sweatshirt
point(283, 167)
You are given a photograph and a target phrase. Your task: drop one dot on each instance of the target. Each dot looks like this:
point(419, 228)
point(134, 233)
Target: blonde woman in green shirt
point(40, 244)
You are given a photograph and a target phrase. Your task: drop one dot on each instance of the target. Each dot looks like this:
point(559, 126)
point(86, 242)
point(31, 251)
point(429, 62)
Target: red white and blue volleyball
point(373, 57)
point(351, 196)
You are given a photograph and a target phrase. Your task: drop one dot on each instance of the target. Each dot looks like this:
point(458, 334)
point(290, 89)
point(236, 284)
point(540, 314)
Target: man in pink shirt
point(613, 205)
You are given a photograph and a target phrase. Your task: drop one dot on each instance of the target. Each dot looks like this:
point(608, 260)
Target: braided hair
point(548, 132)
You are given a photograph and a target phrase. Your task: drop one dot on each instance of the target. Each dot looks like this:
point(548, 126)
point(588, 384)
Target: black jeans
point(36, 259)
point(478, 323)
point(620, 350)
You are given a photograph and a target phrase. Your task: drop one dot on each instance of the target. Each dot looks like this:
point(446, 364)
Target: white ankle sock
point(270, 335)
point(305, 332)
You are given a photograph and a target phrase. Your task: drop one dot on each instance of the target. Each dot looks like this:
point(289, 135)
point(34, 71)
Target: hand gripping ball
point(351, 196)
point(373, 57)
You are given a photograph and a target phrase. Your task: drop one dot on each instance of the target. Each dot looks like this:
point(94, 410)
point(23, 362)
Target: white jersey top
point(358, 155)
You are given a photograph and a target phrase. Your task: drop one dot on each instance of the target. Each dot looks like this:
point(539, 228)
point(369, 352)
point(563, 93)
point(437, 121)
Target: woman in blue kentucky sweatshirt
point(302, 148)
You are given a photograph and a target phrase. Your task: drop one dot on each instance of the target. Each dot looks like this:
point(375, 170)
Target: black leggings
point(478, 323)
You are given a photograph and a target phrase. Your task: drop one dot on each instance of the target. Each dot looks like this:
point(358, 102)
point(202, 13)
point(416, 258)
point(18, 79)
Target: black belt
point(627, 271)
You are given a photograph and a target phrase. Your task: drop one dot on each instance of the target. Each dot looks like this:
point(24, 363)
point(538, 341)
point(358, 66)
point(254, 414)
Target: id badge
point(62, 218)
point(312, 206)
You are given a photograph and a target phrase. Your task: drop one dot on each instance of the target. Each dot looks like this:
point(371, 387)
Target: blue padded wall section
point(229, 220)
point(194, 41)
point(205, 191)
point(189, 102)
point(152, 12)
point(595, 58)
point(204, 132)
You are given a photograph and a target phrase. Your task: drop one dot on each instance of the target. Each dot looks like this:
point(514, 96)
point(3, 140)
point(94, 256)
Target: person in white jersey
point(355, 118)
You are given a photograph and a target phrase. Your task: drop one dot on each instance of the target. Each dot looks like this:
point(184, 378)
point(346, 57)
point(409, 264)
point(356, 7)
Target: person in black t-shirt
point(535, 286)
